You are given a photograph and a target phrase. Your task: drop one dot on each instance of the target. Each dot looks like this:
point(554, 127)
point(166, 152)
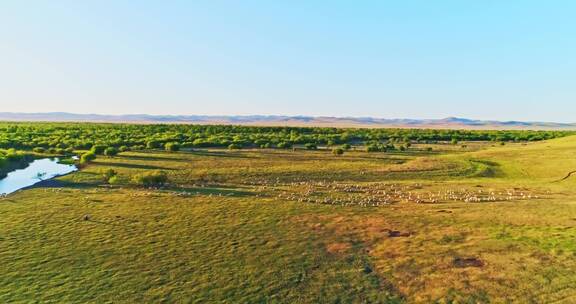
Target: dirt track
point(568, 176)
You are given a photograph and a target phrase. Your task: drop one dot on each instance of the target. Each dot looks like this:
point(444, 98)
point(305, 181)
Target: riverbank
point(11, 161)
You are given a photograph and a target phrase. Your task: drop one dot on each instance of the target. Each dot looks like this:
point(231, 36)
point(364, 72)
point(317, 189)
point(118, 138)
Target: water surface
point(37, 171)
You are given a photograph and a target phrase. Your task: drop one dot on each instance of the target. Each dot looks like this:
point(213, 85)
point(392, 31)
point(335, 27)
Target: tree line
point(62, 138)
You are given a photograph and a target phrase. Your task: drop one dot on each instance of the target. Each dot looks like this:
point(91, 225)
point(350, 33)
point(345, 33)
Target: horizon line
point(294, 116)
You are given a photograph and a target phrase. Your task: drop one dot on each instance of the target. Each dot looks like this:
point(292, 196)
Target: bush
point(346, 147)
point(108, 174)
point(234, 147)
point(98, 149)
point(87, 157)
point(284, 145)
point(337, 151)
point(124, 149)
point(113, 180)
point(153, 145)
point(378, 147)
point(151, 179)
point(111, 151)
point(172, 147)
point(13, 156)
point(39, 150)
point(372, 148)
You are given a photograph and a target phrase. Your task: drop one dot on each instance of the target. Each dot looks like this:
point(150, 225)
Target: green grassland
point(485, 223)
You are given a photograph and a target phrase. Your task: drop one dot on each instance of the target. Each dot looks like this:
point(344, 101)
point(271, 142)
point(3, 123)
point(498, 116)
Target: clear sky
point(505, 59)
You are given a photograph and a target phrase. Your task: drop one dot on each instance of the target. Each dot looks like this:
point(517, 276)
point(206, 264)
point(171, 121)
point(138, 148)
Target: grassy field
point(476, 224)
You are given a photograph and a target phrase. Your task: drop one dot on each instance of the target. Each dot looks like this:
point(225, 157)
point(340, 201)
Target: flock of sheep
point(380, 194)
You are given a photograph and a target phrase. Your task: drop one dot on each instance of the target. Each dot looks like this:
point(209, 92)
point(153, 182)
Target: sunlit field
point(473, 222)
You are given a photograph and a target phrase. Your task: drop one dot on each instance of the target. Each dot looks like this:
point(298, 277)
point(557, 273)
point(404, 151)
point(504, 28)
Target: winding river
point(37, 171)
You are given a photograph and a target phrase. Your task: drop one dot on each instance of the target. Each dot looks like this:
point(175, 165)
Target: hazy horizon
point(119, 115)
point(416, 60)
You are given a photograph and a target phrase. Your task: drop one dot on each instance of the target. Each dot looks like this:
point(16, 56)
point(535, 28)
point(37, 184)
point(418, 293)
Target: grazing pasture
point(475, 224)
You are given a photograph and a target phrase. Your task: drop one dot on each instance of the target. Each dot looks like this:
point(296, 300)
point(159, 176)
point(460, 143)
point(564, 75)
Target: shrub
point(39, 150)
point(108, 174)
point(124, 149)
point(151, 179)
point(337, 151)
point(87, 157)
point(372, 148)
point(111, 151)
point(113, 180)
point(346, 147)
point(98, 149)
point(172, 147)
point(234, 147)
point(284, 145)
point(153, 145)
point(13, 156)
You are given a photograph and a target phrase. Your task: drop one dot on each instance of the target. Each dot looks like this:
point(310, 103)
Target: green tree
point(87, 157)
point(172, 146)
point(108, 174)
point(153, 144)
point(110, 151)
point(151, 179)
point(98, 149)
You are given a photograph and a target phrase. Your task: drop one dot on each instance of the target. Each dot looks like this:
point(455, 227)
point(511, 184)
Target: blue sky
point(394, 59)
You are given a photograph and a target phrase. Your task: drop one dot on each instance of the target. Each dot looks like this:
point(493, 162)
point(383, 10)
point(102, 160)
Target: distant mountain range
point(274, 120)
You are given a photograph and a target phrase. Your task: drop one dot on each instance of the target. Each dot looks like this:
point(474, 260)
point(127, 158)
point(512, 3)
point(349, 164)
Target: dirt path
point(568, 176)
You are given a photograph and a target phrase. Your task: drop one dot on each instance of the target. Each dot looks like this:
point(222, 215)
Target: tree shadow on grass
point(236, 154)
point(154, 155)
point(150, 157)
point(132, 166)
point(57, 183)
